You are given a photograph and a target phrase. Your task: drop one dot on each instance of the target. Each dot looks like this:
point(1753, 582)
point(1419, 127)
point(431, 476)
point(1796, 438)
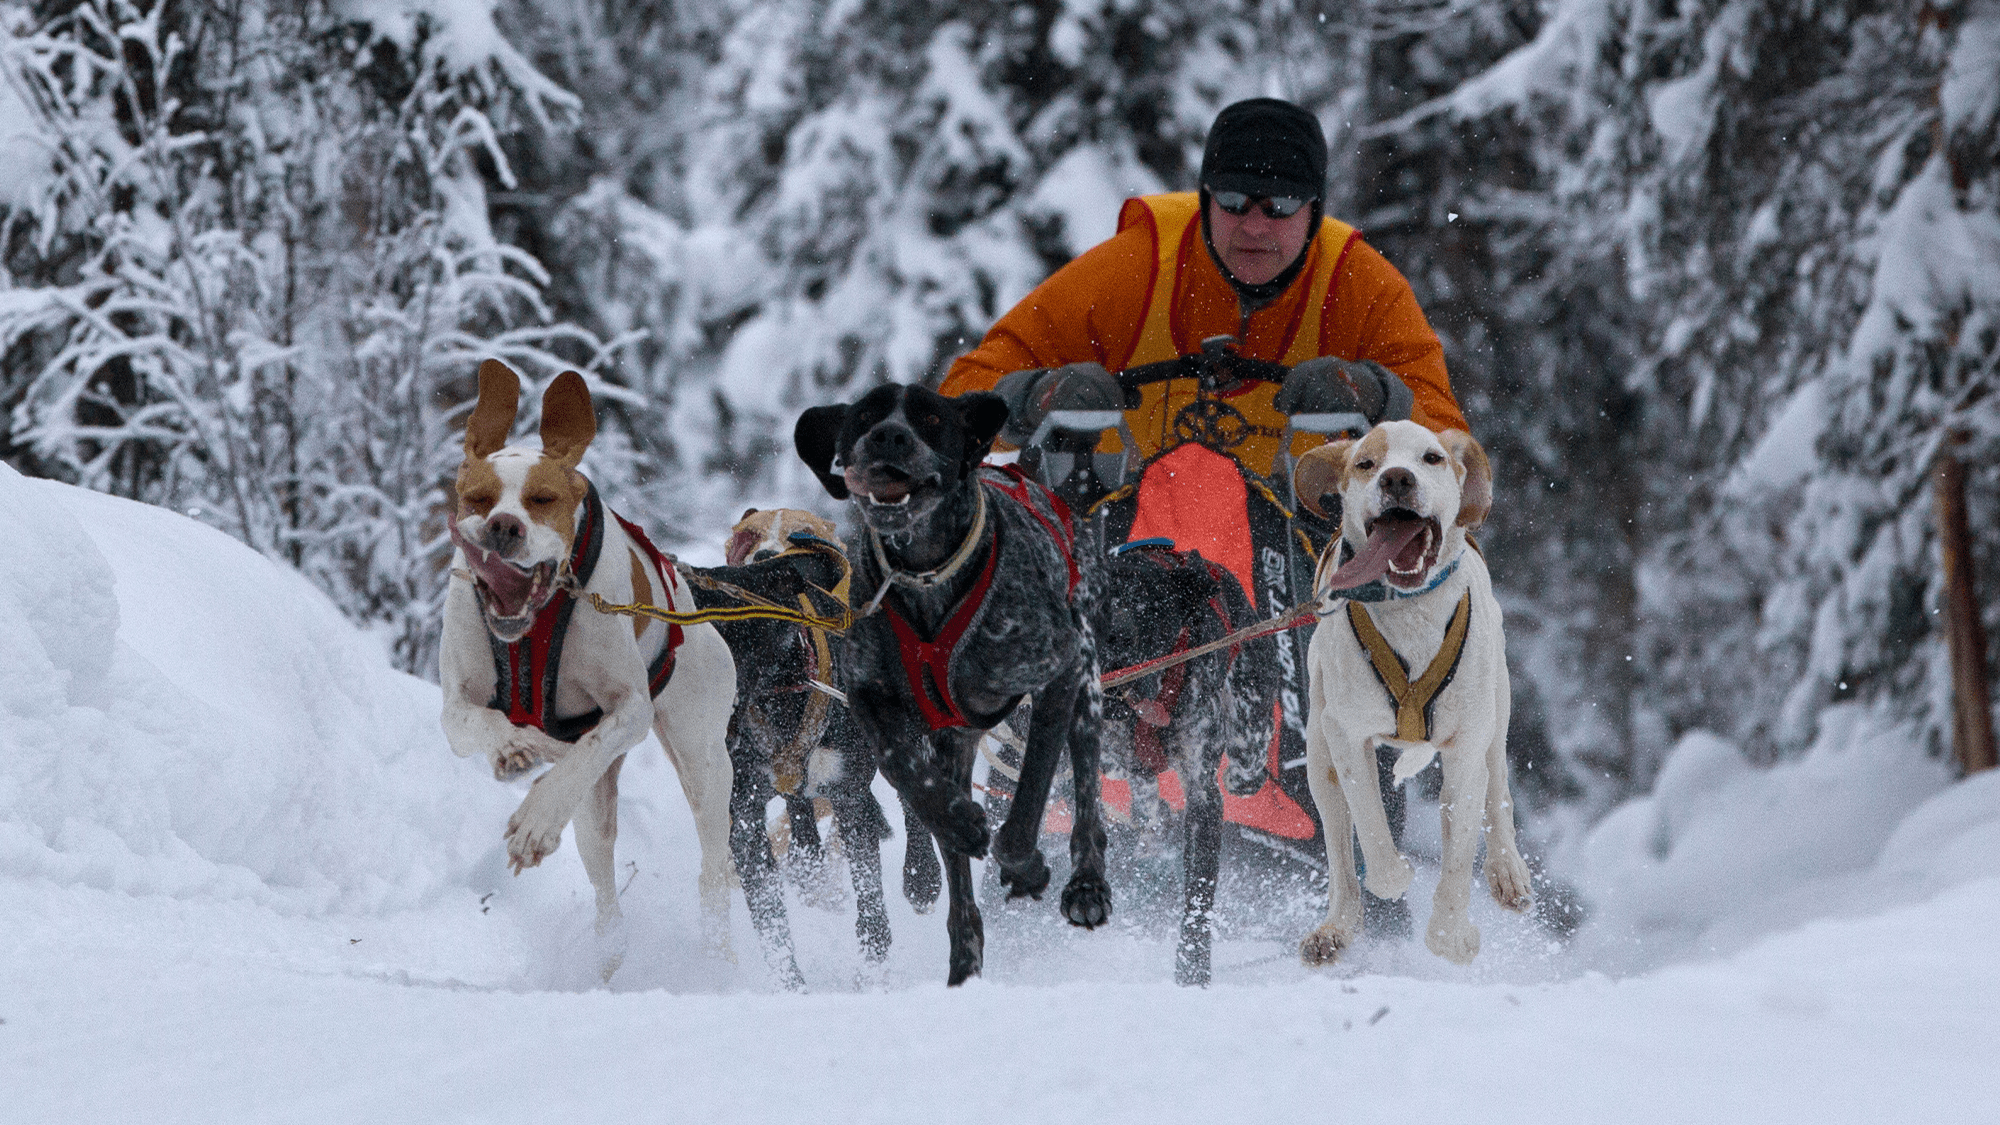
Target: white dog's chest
point(1425, 692)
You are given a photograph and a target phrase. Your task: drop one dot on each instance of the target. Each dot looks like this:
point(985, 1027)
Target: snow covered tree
point(1777, 217)
point(253, 271)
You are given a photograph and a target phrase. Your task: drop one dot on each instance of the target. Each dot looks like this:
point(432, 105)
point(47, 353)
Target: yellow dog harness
point(1412, 701)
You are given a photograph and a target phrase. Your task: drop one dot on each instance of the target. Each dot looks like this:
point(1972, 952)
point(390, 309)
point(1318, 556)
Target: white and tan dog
point(1415, 661)
point(532, 673)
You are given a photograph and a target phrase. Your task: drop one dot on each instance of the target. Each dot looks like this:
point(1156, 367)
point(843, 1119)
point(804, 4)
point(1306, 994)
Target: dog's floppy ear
point(1321, 472)
point(817, 439)
point(1475, 476)
point(984, 413)
point(568, 422)
point(499, 399)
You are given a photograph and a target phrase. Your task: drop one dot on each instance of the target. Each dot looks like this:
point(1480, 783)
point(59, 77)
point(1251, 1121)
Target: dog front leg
point(923, 879)
point(1023, 869)
point(1201, 861)
point(1353, 760)
point(860, 824)
point(535, 830)
point(1343, 890)
point(750, 848)
point(912, 764)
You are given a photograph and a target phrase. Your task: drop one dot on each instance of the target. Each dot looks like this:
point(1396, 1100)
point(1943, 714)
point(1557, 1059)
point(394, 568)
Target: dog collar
point(930, 578)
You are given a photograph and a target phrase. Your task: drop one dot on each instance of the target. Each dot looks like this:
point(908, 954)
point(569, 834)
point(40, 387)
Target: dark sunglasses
point(1274, 206)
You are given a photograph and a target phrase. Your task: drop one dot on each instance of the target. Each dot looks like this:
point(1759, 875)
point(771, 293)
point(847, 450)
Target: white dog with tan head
point(533, 673)
point(1408, 655)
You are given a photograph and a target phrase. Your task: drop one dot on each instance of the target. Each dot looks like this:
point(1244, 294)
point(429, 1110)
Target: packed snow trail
point(243, 879)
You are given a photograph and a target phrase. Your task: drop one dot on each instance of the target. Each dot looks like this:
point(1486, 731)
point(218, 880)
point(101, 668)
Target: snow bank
point(231, 737)
point(1721, 854)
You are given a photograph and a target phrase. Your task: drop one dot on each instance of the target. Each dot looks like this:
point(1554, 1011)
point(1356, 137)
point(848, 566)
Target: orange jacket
point(1153, 292)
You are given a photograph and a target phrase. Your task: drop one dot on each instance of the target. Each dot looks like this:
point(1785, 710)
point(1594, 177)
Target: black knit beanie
point(1265, 147)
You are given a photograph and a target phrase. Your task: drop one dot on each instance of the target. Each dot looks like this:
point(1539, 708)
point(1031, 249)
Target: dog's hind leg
point(750, 847)
point(1506, 872)
point(1461, 808)
point(596, 826)
point(694, 734)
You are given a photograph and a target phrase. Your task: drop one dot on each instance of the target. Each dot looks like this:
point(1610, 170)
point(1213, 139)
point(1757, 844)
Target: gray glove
point(1325, 385)
point(1033, 393)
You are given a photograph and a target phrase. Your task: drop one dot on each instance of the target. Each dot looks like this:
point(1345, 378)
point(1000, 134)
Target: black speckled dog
point(983, 600)
point(1161, 601)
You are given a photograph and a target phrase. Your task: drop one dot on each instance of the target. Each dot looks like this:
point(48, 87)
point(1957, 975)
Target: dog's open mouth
point(1417, 552)
point(885, 486)
point(509, 595)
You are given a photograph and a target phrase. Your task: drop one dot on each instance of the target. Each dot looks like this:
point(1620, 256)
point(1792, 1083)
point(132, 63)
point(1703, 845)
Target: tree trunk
point(1972, 704)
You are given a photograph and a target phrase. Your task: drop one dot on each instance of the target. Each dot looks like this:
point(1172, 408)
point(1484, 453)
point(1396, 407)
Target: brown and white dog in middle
point(1408, 655)
point(533, 673)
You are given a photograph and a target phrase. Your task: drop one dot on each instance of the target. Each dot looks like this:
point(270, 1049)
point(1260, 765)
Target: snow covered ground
point(243, 879)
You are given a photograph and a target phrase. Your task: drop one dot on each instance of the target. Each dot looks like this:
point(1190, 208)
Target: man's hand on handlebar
point(1325, 385)
point(1032, 394)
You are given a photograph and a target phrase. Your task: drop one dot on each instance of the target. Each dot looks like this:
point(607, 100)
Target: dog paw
point(1026, 879)
point(1454, 938)
point(610, 945)
point(872, 932)
point(968, 947)
point(922, 880)
point(510, 762)
point(1507, 878)
point(532, 834)
point(1389, 880)
point(1086, 901)
point(1324, 945)
point(962, 830)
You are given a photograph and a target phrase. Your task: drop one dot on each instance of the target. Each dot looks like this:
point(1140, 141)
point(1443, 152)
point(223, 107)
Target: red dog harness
point(927, 660)
point(525, 672)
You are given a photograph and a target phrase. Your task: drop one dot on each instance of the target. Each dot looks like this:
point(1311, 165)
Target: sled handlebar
point(1217, 365)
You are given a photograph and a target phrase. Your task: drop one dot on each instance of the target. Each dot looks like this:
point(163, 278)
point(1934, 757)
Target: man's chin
point(1255, 269)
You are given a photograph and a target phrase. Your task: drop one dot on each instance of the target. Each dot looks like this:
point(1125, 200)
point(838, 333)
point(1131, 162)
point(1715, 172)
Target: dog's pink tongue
point(1372, 561)
point(507, 585)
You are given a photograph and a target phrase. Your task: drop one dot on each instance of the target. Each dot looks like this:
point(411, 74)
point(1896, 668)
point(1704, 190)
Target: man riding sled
point(1250, 256)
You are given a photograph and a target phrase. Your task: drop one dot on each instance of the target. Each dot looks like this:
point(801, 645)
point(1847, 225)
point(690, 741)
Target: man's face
point(1254, 246)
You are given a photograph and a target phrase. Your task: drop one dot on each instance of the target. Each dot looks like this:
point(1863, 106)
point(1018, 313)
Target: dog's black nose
point(1399, 486)
point(890, 440)
point(503, 534)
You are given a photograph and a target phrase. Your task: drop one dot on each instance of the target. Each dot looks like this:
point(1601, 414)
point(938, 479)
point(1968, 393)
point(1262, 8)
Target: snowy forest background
point(1715, 278)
